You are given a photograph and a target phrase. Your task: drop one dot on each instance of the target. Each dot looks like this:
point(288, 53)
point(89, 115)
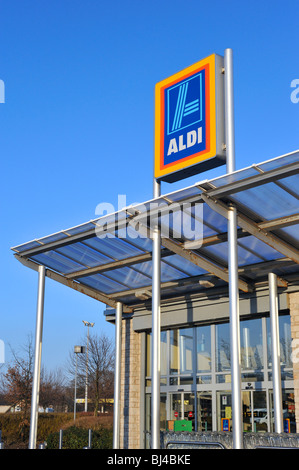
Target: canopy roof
point(110, 258)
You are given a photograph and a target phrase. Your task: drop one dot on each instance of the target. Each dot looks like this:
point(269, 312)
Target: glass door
point(176, 406)
point(260, 413)
point(182, 406)
point(204, 411)
point(255, 415)
point(247, 410)
point(189, 407)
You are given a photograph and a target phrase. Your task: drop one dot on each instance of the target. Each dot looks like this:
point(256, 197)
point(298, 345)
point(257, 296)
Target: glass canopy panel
point(220, 252)
point(184, 194)
point(53, 238)
point(279, 162)
point(268, 201)
point(292, 183)
point(130, 235)
point(58, 262)
point(184, 265)
point(26, 246)
point(80, 229)
point(145, 268)
point(292, 231)
point(114, 247)
point(83, 254)
point(102, 284)
point(261, 249)
point(129, 277)
point(213, 223)
point(168, 273)
point(185, 223)
point(172, 224)
point(232, 177)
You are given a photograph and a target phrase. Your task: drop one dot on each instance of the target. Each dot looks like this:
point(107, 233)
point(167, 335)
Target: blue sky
point(77, 122)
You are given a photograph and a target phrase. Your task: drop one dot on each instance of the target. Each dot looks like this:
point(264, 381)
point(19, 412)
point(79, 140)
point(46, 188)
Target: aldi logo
point(181, 112)
point(185, 110)
point(185, 121)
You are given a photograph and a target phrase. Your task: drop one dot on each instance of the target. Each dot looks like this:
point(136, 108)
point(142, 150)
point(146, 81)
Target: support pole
point(276, 372)
point(75, 397)
point(86, 373)
point(37, 357)
point(233, 259)
point(156, 331)
point(235, 330)
point(116, 412)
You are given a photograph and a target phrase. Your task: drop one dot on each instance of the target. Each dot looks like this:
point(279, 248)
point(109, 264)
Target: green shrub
point(15, 427)
point(77, 438)
point(50, 422)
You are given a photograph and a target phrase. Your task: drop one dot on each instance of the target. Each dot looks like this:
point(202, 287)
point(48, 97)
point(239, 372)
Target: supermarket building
point(195, 373)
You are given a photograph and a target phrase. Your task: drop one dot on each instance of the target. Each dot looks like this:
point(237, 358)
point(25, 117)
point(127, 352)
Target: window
point(285, 347)
point(181, 351)
point(251, 336)
point(222, 347)
point(203, 348)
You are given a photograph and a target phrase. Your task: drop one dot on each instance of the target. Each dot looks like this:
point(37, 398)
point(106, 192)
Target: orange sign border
point(209, 64)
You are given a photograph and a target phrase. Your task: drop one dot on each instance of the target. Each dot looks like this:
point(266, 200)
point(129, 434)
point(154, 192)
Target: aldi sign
point(189, 121)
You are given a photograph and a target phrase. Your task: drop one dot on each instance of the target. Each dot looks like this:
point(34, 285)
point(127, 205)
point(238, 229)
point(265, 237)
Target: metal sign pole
point(233, 259)
point(37, 357)
point(116, 414)
point(277, 392)
point(156, 331)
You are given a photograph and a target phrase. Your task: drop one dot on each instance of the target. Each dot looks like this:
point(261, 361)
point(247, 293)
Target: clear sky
point(76, 128)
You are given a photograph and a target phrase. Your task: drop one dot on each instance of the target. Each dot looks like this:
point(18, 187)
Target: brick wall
point(130, 387)
point(294, 312)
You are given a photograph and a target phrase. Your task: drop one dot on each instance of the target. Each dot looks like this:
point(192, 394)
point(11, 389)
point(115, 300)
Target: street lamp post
point(88, 324)
point(77, 350)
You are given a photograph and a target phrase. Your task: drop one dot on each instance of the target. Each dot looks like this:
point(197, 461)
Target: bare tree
point(100, 369)
point(53, 390)
point(101, 365)
point(17, 381)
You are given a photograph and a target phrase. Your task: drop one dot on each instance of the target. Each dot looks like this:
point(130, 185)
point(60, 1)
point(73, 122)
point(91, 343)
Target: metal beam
point(280, 222)
point(270, 239)
point(74, 285)
point(211, 240)
point(255, 229)
point(273, 224)
point(198, 260)
point(203, 263)
point(165, 285)
point(115, 265)
point(254, 181)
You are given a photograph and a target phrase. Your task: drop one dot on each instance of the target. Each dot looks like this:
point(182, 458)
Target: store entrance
point(196, 408)
point(182, 406)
